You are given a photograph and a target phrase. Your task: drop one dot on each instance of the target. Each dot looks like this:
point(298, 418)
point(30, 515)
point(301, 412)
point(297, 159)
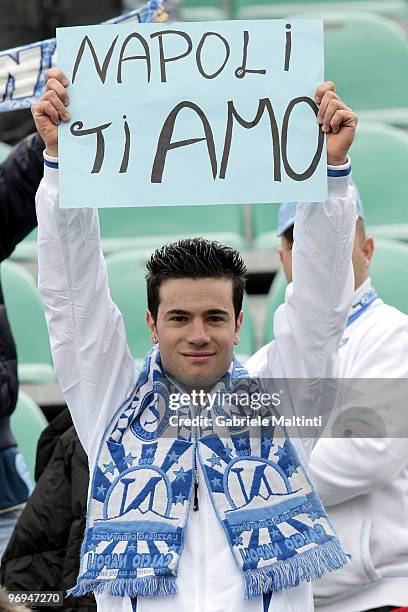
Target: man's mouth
point(198, 356)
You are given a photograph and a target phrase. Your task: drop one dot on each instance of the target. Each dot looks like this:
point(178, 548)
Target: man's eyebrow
point(216, 311)
point(212, 311)
point(177, 311)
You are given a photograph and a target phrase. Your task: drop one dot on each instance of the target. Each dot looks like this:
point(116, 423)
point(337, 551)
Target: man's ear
point(238, 326)
point(280, 253)
point(368, 250)
point(152, 327)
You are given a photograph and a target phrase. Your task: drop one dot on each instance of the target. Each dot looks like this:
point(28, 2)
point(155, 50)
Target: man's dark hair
point(195, 258)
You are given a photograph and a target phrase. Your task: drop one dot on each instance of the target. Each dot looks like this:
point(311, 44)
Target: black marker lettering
point(232, 114)
point(145, 57)
point(288, 47)
point(126, 151)
point(76, 130)
point(199, 51)
point(163, 59)
point(315, 161)
point(243, 70)
point(100, 70)
point(164, 145)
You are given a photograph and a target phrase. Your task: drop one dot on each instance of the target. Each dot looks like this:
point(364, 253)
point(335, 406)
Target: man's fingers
point(333, 106)
point(55, 85)
point(343, 117)
point(52, 97)
point(324, 88)
point(56, 73)
point(44, 107)
point(327, 98)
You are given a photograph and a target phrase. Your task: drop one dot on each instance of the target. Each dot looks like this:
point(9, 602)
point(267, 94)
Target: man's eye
point(216, 319)
point(179, 318)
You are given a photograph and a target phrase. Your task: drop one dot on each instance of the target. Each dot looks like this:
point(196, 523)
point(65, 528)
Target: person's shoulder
point(259, 360)
point(388, 315)
point(384, 322)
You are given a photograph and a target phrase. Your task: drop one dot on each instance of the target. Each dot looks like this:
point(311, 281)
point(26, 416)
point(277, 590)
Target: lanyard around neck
point(358, 309)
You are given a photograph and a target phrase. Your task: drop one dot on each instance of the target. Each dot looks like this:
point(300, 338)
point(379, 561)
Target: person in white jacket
point(363, 481)
point(97, 373)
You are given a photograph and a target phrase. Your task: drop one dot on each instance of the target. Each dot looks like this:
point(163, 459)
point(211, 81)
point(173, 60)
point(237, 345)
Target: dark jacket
point(20, 175)
point(44, 551)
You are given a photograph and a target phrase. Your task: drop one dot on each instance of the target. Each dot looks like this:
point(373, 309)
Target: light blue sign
point(192, 113)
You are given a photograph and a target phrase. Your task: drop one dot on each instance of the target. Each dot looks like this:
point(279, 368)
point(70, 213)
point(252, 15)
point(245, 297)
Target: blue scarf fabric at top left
point(142, 485)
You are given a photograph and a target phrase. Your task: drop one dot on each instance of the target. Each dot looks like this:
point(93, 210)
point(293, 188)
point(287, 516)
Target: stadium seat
point(264, 224)
point(26, 250)
point(145, 229)
point(27, 423)
point(387, 271)
point(27, 321)
point(380, 161)
point(367, 57)
point(267, 9)
point(4, 150)
point(203, 10)
point(128, 289)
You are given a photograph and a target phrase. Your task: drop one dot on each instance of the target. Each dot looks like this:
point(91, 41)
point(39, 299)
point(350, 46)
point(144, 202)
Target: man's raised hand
point(338, 121)
point(51, 110)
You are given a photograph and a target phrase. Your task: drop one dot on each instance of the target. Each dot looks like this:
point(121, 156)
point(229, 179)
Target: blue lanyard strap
point(358, 309)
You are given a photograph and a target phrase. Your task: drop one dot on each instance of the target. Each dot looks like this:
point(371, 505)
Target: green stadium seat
point(27, 321)
point(4, 150)
point(203, 10)
point(145, 229)
point(128, 290)
point(380, 161)
point(367, 57)
point(387, 271)
point(27, 424)
point(26, 250)
point(264, 224)
point(267, 9)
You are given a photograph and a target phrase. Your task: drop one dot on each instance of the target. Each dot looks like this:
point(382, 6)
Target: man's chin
point(200, 380)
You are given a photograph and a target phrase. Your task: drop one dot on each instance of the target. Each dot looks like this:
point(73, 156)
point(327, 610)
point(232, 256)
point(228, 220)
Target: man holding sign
point(258, 533)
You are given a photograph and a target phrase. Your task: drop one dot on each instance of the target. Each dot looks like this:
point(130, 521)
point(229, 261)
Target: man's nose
point(197, 333)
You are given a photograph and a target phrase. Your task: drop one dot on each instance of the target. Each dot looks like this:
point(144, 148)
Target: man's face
point(196, 329)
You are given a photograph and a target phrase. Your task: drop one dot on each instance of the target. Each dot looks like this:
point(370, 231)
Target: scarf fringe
point(289, 573)
point(148, 586)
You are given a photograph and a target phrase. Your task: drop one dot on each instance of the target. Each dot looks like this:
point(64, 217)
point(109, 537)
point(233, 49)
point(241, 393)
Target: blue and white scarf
point(142, 487)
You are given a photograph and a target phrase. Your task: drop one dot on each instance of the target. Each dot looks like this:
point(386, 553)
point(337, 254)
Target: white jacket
point(363, 482)
point(96, 370)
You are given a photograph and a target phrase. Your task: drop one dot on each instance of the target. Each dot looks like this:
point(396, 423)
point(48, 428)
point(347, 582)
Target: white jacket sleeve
point(343, 468)
point(308, 327)
point(93, 363)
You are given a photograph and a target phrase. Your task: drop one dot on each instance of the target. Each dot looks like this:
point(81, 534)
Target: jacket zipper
point(195, 502)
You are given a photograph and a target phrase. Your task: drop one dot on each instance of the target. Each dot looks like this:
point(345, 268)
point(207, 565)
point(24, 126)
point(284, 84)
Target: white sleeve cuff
point(51, 171)
point(338, 179)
